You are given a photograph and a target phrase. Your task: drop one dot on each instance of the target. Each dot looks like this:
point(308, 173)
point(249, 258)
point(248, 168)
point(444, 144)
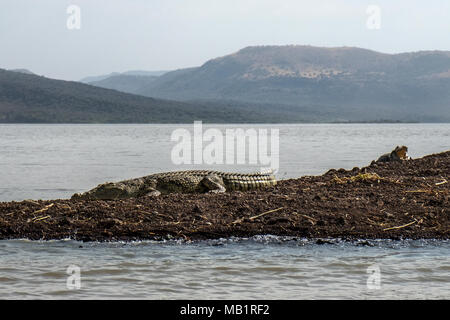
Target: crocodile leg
point(214, 183)
point(149, 192)
point(153, 193)
point(149, 188)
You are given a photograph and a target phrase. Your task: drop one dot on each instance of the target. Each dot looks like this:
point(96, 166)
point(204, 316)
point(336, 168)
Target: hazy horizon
point(118, 36)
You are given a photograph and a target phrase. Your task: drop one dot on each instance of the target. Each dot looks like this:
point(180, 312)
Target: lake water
point(54, 161)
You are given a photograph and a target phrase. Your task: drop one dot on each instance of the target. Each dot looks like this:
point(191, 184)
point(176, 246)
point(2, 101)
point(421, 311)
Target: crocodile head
point(106, 191)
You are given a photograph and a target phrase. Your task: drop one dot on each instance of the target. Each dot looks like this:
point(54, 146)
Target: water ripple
point(240, 268)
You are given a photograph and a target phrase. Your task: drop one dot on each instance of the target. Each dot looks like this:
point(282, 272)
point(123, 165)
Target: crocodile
point(191, 181)
point(398, 154)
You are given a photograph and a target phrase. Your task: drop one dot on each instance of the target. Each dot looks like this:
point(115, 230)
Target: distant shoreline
point(231, 123)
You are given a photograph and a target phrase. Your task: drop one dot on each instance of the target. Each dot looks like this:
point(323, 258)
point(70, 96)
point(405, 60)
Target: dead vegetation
point(392, 200)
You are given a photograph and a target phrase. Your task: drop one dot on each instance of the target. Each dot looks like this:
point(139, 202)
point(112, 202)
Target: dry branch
point(264, 213)
point(403, 226)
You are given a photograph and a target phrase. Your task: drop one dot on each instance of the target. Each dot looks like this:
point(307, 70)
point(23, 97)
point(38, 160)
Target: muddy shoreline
point(408, 200)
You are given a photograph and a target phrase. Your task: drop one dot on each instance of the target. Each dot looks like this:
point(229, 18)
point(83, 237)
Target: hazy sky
point(121, 35)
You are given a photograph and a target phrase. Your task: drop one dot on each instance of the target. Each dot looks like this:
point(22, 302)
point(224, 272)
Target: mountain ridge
point(98, 78)
point(27, 98)
point(267, 84)
point(373, 84)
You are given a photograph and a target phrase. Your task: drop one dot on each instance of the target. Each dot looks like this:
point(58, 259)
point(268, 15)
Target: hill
point(27, 98)
point(267, 84)
point(91, 79)
point(342, 84)
point(125, 83)
point(26, 71)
